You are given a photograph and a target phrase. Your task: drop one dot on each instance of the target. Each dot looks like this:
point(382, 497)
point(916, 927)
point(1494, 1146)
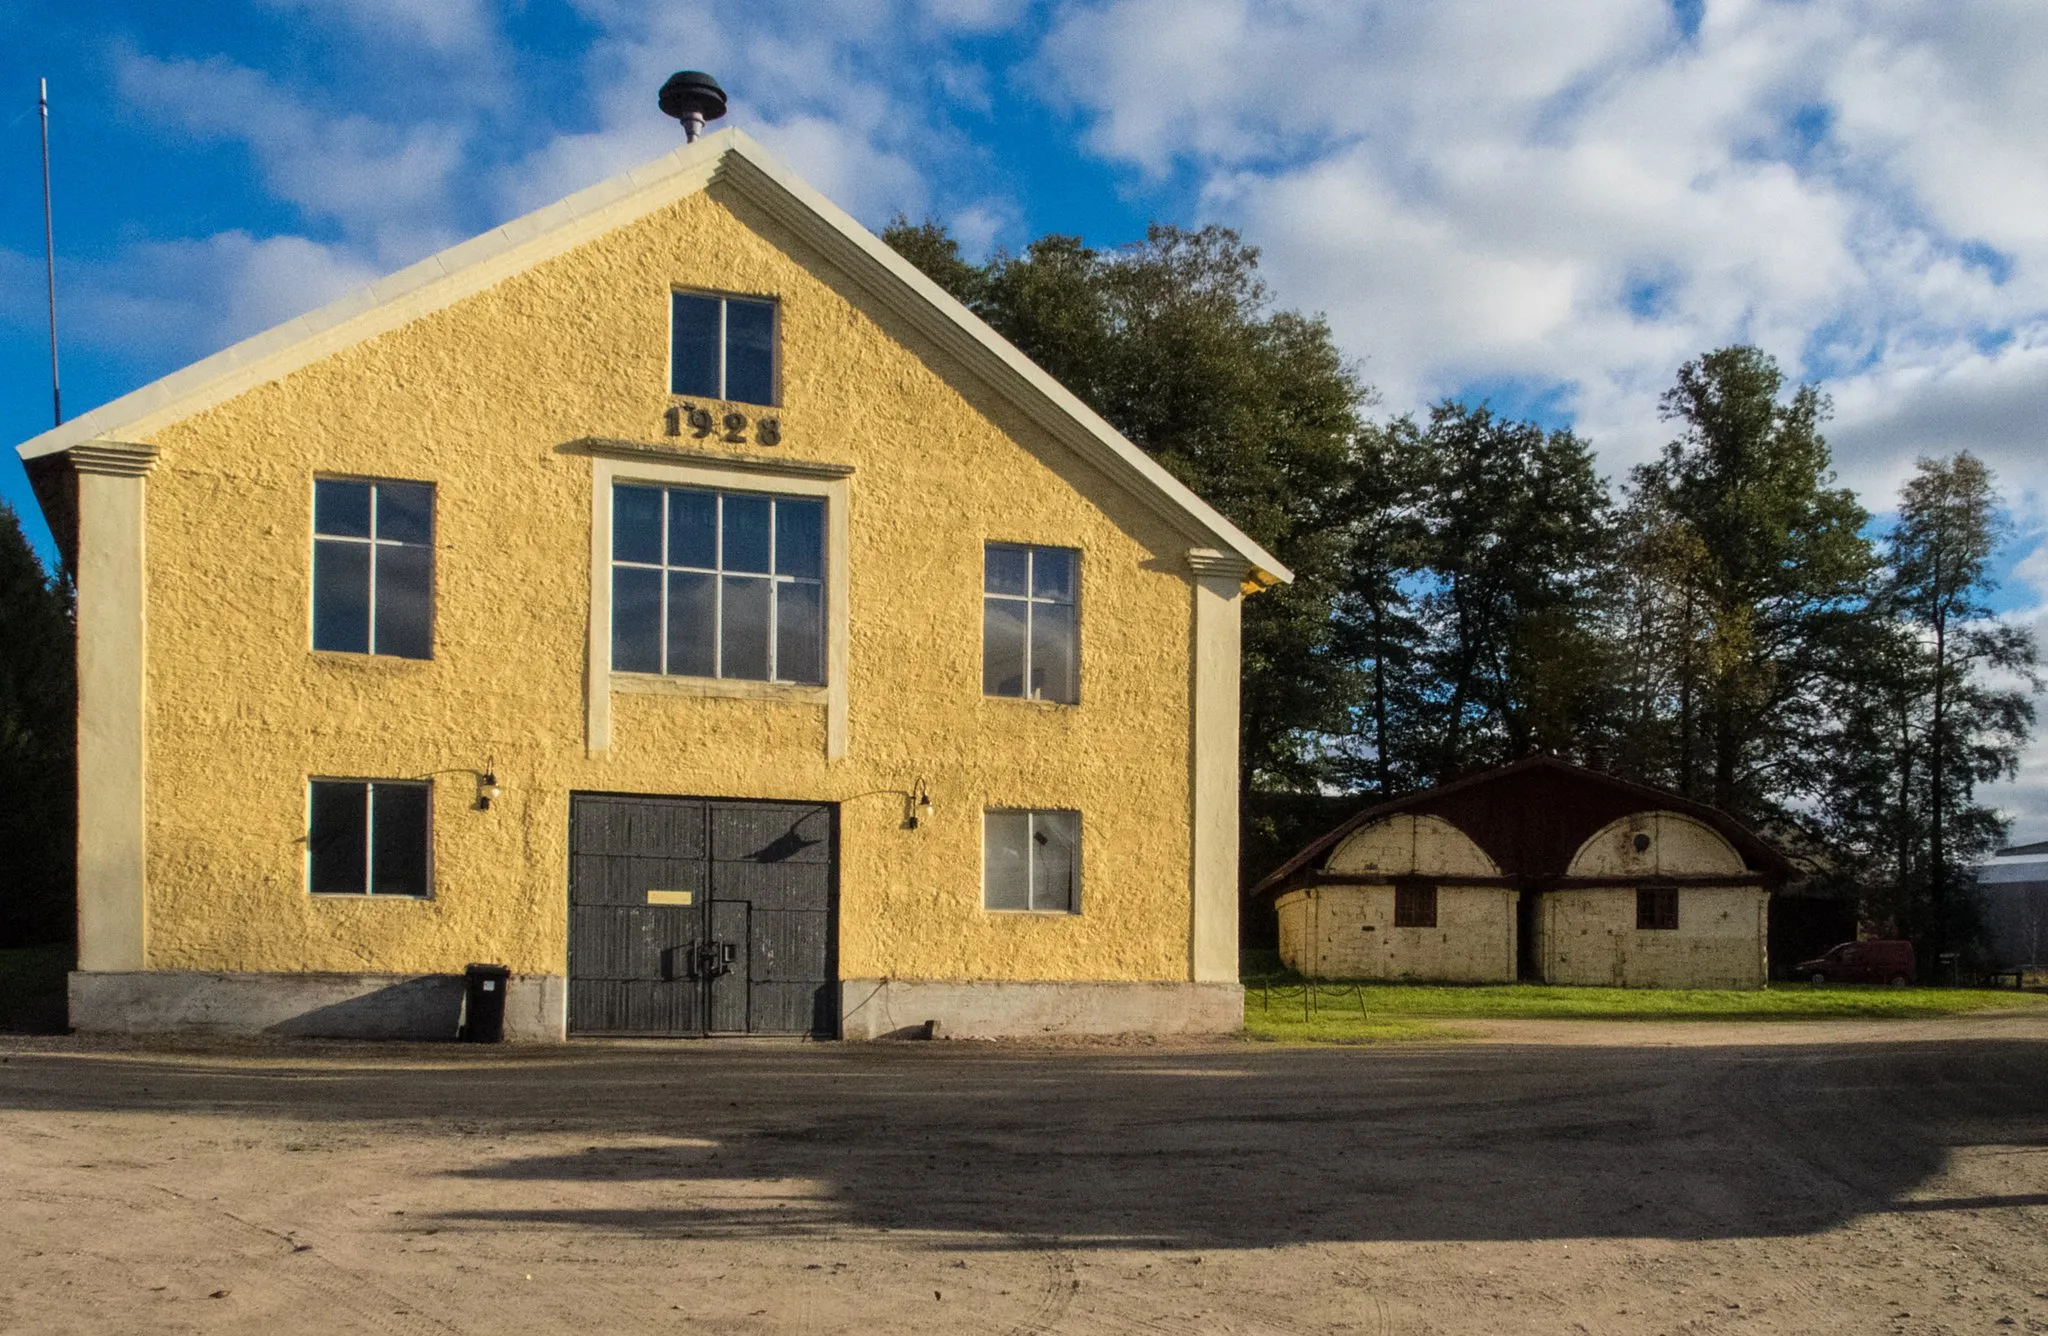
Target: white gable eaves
point(734, 160)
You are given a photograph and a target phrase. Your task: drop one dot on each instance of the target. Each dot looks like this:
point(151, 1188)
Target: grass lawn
point(1382, 1013)
point(32, 985)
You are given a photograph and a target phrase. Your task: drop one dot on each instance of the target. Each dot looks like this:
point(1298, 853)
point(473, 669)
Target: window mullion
point(1030, 849)
point(661, 567)
point(774, 596)
point(370, 637)
point(370, 823)
point(1030, 574)
point(718, 562)
point(722, 305)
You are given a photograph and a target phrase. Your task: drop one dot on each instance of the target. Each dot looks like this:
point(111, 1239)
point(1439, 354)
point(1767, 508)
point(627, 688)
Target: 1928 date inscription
point(730, 428)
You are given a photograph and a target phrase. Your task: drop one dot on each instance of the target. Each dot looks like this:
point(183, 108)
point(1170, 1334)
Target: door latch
point(716, 958)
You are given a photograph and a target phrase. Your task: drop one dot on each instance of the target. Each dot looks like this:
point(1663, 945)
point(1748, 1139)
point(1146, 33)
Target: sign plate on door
point(669, 897)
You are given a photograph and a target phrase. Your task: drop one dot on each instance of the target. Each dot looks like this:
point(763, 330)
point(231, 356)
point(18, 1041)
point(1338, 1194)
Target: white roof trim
point(732, 159)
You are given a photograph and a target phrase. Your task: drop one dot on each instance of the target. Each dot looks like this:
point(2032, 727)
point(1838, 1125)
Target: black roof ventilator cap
point(692, 97)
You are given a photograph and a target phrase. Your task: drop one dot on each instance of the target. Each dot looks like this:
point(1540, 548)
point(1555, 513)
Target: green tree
point(37, 746)
point(1765, 574)
point(1960, 704)
point(1378, 624)
point(1174, 341)
point(1518, 538)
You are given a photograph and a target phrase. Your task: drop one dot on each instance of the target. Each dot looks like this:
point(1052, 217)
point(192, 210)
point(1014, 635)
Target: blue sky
point(1547, 206)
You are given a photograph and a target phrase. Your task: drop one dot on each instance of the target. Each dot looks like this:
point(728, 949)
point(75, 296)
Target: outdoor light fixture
point(924, 802)
point(487, 790)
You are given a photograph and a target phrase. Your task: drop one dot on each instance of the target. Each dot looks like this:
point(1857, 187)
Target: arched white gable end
point(1656, 844)
point(1410, 846)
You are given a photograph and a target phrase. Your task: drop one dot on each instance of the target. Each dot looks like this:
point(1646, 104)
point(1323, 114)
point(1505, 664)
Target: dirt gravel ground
point(1556, 1177)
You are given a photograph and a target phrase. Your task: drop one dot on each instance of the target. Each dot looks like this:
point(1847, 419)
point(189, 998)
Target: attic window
point(722, 348)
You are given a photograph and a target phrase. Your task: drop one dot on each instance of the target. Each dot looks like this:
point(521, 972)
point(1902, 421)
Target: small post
point(50, 256)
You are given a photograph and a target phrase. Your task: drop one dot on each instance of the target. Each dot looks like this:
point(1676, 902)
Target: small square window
point(373, 567)
point(1415, 904)
point(722, 348)
point(368, 837)
point(1031, 861)
point(1029, 627)
point(1657, 907)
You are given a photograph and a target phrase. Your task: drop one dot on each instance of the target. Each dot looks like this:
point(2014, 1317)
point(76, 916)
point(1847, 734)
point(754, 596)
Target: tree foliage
point(1950, 701)
point(1173, 340)
point(1470, 593)
point(1766, 568)
point(1478, 563)
point(37, 746)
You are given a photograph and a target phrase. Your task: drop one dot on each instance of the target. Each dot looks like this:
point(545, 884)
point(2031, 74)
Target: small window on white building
point(1029, 633)
point(1414, 904)
point(722, 348)
point(718, 584)
point(368, 837)
point(373, 567)
point(1657, 907)
point(1031, 861)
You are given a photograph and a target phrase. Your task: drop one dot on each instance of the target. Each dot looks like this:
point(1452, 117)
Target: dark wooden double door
point(692, 916)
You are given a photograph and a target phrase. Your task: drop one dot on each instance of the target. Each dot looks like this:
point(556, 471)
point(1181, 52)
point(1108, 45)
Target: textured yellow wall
point(479, 398)
point(1590, 937)
point(1348, 932)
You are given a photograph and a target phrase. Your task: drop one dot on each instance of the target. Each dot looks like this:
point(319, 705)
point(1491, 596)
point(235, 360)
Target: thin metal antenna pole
point(50, 257)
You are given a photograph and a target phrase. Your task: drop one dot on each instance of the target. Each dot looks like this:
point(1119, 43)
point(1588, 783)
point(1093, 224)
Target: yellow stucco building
point(1540, 871)
point(674, 597)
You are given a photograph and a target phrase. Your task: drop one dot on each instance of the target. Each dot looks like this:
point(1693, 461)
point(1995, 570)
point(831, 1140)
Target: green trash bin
point(483, 1003)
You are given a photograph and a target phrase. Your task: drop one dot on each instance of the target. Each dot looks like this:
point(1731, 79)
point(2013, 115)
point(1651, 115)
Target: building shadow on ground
point(1114, 1148)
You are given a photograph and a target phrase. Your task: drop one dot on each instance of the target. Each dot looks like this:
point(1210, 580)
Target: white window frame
point(725, 300)
point(1070, 910)
point(718, 574)
point(370, 786)
point(373, 542)
point(1031, 602)
point(668, 466)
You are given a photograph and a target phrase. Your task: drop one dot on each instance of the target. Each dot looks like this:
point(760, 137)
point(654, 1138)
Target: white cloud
point(840, 90)
point(164, 303)
point(445, 25)
point(185, 299)
point(388, 186)
point(1576, 194)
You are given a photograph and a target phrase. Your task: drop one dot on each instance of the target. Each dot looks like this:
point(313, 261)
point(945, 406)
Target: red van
point(1862, 962)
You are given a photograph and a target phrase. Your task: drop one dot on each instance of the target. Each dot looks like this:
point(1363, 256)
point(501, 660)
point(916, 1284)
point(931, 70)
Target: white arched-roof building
point(1538, 870)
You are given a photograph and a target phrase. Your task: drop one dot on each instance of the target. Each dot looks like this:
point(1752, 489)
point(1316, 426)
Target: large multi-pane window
point(718, 584)
point(373, 567)
point(1028, 640)
point(722, 348)
point(368, 837)
point(1031, 861)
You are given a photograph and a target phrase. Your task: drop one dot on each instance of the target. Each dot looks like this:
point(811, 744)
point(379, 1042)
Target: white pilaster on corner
point(1218, 595)
point(112, 871)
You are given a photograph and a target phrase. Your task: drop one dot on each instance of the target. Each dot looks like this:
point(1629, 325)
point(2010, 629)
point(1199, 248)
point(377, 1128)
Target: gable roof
point(1532, 815)
point(730, 159)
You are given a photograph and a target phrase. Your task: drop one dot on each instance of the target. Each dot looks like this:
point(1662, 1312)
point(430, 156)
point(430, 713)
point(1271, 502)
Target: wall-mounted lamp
point(920, 806)
point(487, 790)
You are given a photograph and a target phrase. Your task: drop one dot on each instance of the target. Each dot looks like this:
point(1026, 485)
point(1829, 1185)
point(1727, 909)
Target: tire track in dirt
point(338, 1286)
point(1059, 1282)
